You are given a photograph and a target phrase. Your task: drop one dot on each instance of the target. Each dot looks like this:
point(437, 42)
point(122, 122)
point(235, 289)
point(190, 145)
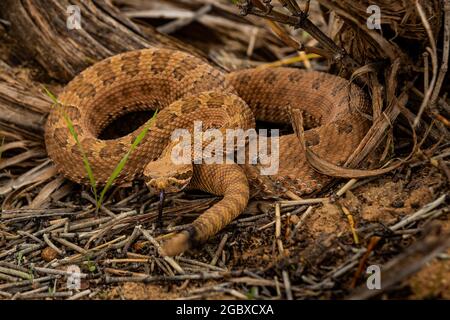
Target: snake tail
point(227, 180)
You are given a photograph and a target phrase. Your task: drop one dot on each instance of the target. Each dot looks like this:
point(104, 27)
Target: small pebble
point(48, 254)
point(294, 219)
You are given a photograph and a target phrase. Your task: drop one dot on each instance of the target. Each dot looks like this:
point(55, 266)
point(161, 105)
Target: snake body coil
point(186, 89)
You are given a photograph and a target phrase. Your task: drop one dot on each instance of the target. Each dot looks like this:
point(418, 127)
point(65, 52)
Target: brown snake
point(185, 89)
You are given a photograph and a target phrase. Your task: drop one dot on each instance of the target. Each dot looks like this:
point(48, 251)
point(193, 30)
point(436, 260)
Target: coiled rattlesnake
point(186, 89)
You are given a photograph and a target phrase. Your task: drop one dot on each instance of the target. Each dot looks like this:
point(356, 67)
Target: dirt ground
point(319, 243)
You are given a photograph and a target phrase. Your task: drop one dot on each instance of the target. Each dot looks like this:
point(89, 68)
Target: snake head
point(165, 176)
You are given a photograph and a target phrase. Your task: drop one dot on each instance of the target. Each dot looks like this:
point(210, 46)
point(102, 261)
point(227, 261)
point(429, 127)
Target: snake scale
point(185, 89)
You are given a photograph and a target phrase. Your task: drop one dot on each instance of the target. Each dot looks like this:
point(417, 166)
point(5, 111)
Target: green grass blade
point(51, 95)
point(118, 169)
point(74, 134)
point(86, 163)
point(112, 177)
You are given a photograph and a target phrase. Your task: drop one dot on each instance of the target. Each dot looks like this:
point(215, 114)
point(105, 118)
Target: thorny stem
point(299, 20)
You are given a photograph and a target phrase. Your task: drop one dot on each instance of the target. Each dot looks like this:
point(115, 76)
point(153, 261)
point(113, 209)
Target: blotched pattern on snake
point(186, 89)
